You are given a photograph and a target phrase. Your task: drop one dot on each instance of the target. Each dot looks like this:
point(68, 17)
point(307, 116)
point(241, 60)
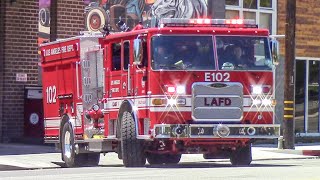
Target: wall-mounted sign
point(34, 118)
point(21, 77)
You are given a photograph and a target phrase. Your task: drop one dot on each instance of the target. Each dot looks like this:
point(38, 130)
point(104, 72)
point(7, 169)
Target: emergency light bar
point(172, 22)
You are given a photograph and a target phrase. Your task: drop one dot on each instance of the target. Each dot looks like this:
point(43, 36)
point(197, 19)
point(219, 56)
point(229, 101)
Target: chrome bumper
point(216, 131)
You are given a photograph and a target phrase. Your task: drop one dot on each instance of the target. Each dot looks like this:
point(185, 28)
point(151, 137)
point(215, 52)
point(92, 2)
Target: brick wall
point(70, 18)
point(2, 10)
point(20, 56)
point(20, 53)
point(307, 27)
point(19, 39)
point(281, 17)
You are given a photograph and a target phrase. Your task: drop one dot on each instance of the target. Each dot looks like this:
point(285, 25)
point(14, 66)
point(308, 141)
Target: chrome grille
point(217, 101)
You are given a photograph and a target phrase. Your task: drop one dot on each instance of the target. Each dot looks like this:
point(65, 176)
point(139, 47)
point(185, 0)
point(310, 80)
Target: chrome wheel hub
point(67, 145)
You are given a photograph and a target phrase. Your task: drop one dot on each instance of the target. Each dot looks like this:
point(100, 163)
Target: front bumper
point(266, 131)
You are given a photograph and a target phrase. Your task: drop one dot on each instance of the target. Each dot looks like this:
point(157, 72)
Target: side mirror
point(275, 51)
point(138, 51)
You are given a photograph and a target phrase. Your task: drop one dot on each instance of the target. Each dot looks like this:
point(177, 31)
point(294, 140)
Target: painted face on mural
point(180, 8)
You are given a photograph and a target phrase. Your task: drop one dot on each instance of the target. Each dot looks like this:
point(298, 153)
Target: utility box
point(33, 113)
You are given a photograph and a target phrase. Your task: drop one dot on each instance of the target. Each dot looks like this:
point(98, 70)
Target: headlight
point(176, 89)
point(172, 102)
point(256, 102)
point(171, 89)
point(267, 102)
point(181, 90)
point(257, 89)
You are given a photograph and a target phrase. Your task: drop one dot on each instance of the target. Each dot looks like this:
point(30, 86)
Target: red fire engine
point(203, 86)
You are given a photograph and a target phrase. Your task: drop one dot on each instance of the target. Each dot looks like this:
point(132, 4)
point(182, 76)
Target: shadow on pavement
point(12, 168)
point(62, 165)
point(20, 149)
point(214, 165)
point(173, 166)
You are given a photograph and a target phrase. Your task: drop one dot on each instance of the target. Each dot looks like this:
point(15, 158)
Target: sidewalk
point(304, 149)
point(22, 156)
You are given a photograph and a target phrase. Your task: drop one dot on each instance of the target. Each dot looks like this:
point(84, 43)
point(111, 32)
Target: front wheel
point(69, 156)
point(132, 148)
point(242, 156)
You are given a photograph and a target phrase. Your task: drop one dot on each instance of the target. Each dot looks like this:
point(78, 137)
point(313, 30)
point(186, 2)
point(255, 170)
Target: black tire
point(172, 158)
point(132, 148)
point(69, 156)
point(242, 156)
point(155, 159)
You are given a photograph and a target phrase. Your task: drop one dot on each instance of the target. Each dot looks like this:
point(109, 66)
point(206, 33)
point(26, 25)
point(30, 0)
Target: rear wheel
point(242, 156)
point(131, 147)
point(172, 158)
point(69, 155)
point(154, 159)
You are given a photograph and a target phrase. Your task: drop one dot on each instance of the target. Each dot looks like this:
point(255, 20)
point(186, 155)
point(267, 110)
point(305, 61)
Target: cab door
point(140, 72)
point(115, 73)
point(127, 73)
point(139, 85)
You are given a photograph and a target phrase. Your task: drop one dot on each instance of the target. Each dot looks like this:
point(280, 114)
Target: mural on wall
point(131, 12)
point(44, 20)
point(180, 8)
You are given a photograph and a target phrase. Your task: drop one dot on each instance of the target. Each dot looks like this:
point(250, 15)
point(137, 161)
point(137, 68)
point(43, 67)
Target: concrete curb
point(299, 152)
point(300, 149)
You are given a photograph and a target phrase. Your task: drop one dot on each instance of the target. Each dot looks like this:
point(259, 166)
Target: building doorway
point(307, 97)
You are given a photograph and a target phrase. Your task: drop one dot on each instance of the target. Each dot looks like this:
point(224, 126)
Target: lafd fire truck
point(188, 86)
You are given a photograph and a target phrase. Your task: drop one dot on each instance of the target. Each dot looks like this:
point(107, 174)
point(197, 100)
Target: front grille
point(217, 101)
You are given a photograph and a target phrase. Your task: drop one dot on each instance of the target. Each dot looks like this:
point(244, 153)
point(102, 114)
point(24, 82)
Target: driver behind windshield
point(236, 55)
point(162, 57)
point(182, 53)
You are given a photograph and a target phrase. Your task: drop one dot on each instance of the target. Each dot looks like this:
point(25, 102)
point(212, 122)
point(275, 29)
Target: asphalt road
point(266, 165)
point(23, 162)
point(261, 169)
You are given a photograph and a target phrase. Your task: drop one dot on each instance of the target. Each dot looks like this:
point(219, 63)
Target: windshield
point(243, 53)
point(182, 53)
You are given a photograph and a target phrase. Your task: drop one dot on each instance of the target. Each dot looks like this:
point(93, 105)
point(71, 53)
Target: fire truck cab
point(189, 86)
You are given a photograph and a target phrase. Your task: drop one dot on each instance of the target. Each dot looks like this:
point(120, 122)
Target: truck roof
point(83, 34)
point(194, 30)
